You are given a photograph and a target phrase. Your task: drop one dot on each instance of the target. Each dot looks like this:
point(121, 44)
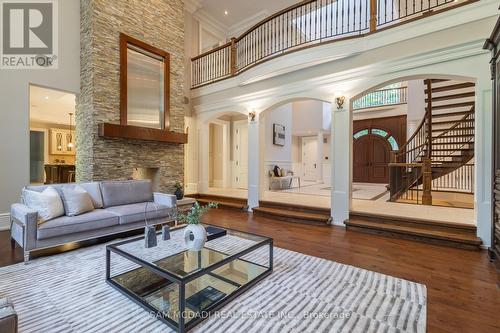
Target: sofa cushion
point(93, 188)
point(136, 212)
point(47, 203)
point(76, 200)
point(96, 219)
point(118, 193)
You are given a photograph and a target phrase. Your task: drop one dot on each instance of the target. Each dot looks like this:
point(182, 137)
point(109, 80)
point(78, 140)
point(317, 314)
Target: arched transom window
point(379, 132)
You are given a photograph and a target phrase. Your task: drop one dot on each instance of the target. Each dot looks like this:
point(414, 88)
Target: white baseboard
point(4, 221)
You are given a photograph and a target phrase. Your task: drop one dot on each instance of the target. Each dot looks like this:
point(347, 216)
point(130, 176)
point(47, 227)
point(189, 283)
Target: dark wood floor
point(461, 284)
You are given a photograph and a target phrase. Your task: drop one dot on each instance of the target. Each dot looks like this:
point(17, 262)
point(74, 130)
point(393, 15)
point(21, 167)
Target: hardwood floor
point(461, 284)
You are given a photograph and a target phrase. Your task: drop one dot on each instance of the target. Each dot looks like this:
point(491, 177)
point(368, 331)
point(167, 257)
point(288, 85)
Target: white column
point(483, 160)
point(319, 158)
point(253, 163)
point(340, 152)
point(204, 139)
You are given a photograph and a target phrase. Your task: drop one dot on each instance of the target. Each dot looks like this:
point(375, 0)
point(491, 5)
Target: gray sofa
point(119, 206)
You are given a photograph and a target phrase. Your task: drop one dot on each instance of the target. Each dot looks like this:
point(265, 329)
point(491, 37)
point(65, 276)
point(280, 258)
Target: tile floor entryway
point(380, 206)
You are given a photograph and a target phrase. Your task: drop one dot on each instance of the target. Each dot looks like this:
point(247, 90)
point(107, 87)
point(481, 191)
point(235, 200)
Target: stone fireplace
point(156, 22)
point(152, 174)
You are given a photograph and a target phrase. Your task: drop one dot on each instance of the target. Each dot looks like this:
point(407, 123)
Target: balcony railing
point(308, 23)
point(381, 97)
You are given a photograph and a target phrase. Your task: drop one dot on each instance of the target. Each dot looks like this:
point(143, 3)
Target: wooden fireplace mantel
point(107, 130)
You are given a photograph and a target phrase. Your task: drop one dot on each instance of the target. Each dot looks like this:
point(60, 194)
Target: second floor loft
point(308, 24)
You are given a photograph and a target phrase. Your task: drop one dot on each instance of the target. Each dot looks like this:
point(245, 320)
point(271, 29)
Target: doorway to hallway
point(309, 158)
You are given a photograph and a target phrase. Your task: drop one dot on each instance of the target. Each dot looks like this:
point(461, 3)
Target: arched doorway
point(371, 150)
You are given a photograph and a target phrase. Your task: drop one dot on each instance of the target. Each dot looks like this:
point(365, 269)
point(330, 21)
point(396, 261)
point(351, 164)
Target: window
point(393, 143)
point(379, 132)
point(360, 133)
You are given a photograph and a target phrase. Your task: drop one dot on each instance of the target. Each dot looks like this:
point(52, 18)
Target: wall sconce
point(340, 102)
point(251, 116)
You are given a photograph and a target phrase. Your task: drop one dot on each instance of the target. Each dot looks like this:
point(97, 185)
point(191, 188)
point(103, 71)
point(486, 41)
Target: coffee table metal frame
point(182, 326)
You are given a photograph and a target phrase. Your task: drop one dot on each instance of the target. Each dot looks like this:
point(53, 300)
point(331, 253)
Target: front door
point(371, 159)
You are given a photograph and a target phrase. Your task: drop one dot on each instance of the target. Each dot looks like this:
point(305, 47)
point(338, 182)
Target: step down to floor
point(440, 233)
point(224, 202)
point(293, 213)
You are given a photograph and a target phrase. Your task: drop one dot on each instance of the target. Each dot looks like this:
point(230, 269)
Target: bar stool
point(71, 176)
point(51, 174)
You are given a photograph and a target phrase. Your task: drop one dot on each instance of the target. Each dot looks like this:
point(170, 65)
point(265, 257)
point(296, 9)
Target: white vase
point(198, 238)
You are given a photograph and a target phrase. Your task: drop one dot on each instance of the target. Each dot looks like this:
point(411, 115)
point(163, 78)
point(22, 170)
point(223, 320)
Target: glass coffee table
point(181, 287)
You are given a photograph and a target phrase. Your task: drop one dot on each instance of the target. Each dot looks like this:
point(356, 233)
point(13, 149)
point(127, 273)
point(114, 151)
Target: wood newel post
point(233, 56)
point(428, 115)
point(373, 15)
point(427, 181)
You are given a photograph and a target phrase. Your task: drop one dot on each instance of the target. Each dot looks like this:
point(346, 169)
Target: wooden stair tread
point(412, 221)
point(451, 106)
point(452, 143)
point(222, 203)
point(450, 97)
point(452, 87)
point(453, 149)
point(418, 231)
point(450, 121)
point(454, 136)
point(450, 114)
point(299, 207)
point(217, 197)
point(293, 214)
point(454, 129)
point(436, 80)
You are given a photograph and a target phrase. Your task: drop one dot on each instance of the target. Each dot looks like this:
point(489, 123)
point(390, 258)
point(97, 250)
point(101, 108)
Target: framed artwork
point(278, 135)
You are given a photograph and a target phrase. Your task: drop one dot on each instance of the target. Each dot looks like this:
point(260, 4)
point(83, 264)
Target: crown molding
point(192, 6)
point(239, 28)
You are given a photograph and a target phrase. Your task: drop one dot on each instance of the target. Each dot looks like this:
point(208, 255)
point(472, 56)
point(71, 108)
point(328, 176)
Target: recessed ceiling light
point(46, 97)
point(226, 12)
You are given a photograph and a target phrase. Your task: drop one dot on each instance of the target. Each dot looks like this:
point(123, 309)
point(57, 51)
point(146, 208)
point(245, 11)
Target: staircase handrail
point(471, 112)
point(404, 148)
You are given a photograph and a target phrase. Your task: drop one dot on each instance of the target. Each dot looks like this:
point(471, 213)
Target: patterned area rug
point(68, 293)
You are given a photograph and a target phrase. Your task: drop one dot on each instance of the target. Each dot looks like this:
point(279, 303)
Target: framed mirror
point(144, 85)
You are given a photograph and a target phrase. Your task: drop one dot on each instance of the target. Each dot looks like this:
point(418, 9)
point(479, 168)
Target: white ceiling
point(51, 106)
point(241, 10)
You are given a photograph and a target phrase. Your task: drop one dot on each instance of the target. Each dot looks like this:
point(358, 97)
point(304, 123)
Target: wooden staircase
point(293, 213)
point(448, 234)
point(442, 144)
point(223, 201)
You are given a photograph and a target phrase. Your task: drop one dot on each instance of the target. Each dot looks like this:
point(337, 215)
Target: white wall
point(273, 153)
point(14, 101)
point(416, 105)
point(307, 117)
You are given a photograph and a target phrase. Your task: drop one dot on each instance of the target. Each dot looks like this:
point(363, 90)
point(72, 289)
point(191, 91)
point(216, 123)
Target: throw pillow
point(76, 200)
point(47, 203)
point(276, 171)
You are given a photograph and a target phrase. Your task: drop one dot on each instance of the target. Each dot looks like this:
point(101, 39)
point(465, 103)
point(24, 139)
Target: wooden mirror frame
point(125, 41)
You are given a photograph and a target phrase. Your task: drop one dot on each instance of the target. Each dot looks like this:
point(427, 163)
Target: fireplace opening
point(152, 174)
